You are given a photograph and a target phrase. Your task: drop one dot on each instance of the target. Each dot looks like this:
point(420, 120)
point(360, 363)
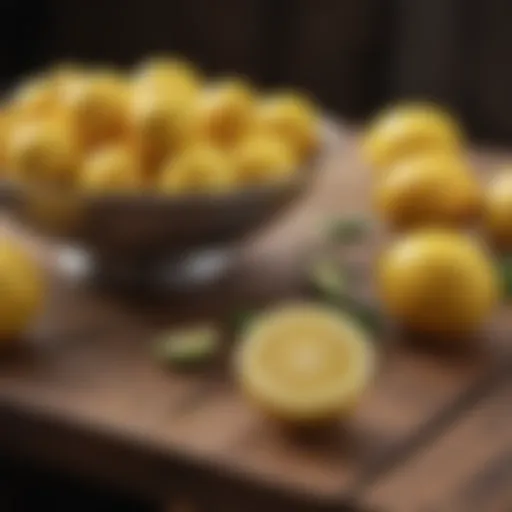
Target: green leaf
point(328, 279)
point(187, 347)
point(348, 230)
point(241, 319)
point(365, 313)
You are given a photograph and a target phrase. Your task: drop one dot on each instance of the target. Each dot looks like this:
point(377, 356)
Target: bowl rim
point(13, 190)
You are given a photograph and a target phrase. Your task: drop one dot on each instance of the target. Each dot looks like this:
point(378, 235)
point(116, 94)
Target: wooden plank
point(107, 382)
point(468, 469)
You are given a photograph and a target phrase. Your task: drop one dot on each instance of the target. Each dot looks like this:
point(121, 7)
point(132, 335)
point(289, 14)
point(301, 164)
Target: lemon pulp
point(305, 362)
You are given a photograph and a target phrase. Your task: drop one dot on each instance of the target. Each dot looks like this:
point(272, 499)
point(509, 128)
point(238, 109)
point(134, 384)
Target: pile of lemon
point(423, 176)
point(435, 277)
point(160, 127)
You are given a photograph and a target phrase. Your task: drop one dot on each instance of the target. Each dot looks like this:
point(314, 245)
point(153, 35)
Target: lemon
point(168, 75)
point(34, 98)
point(305, 363)
point(438, 282)
point(224, 112)
point(97, 104)
point(498, 209)
point(110, 169)
point(42, 151)
point(65, 76)
point(426, 190)
point(22, 288)
point(5, 127)
point(159, 123)
point(407, 130)
point(200, 168)
point(262, 158)
point(291, 117)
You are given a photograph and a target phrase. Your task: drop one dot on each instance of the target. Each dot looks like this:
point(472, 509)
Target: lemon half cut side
point(305, 363)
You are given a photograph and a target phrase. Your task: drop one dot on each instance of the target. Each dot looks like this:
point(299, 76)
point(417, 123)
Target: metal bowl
point(147, 231)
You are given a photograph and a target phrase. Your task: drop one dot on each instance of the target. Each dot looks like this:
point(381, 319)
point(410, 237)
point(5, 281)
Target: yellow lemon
point(305, 363)
point(42, 151)
point(408, 130)
point(66, 75)
point(200, 168)
point(171, 76)
point(159, 123)
point(438, 282)
point(34, 98)
point(111, 169)
point(224, 112)
point(427, 190)
point(5, 127)
point(22, 286)
point(498, 209)
point(97, 104)
point(293, 118)
point(263, 158)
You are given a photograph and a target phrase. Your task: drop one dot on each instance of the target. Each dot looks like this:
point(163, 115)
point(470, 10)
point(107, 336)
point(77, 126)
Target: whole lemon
point(42, 151)
point(34, 98)
point(200, 168)
point(111, 169)
point(224, 112)
point(438, 282)
point(262, 158)
point(291, 117)
point(407, 130)
point(5, 127)
point(168, 75)
point(427, 190)
point(22, 286)
point(159, 124)
point(97, 103)
point(498, 209)
point(65, 75)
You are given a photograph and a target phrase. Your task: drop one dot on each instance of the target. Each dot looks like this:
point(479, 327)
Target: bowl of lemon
point(132, 173)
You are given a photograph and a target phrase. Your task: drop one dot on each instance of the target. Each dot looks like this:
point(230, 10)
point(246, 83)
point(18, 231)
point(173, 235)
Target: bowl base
point(180, 272)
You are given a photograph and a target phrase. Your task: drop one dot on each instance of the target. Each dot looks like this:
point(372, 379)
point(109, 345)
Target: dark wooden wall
point(353, 54)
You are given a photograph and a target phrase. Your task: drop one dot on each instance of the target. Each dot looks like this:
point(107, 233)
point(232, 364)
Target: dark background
point(354, 55)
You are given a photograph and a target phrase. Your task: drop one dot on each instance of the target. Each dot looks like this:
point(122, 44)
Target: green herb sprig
point(188, 347)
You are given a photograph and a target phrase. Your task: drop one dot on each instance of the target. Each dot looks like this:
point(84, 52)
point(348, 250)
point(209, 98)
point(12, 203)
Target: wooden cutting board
point(85, 395)
point(467, 469)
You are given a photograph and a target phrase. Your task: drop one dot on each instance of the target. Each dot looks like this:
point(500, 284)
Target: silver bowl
point(148, 237)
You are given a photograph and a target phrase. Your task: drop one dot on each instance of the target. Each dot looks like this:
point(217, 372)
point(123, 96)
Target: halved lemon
point(305, 363)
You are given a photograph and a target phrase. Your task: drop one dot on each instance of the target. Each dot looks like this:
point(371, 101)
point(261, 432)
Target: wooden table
point(435, 433)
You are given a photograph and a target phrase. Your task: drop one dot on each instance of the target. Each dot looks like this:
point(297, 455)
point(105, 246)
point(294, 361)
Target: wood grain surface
point(468, 469)
point(84, 394)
